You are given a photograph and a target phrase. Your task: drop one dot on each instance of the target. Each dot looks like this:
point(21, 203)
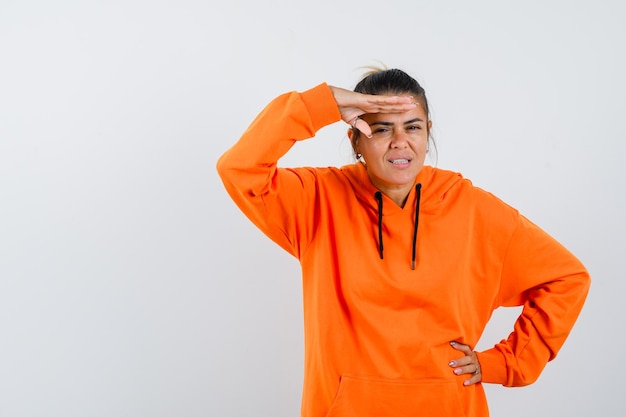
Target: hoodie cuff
point(492, 366)
point(321, 105)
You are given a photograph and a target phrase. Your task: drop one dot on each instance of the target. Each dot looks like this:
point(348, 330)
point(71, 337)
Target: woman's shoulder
point(455, 186)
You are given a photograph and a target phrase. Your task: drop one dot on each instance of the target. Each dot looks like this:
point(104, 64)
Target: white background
point(130, 285)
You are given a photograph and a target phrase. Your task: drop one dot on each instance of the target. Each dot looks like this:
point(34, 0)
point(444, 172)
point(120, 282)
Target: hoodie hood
point(435, 185)
point(428, 192)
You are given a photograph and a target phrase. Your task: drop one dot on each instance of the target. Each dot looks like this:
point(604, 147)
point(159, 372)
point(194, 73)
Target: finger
point(471, 368)
point(476, 377)
point(380, 99)
point(390, 107)
point(388, 103)
point(461, 347)
point(463, 361)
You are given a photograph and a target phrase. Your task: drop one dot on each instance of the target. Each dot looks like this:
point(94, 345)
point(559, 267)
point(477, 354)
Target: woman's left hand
point(352, 105)
point(467, 364)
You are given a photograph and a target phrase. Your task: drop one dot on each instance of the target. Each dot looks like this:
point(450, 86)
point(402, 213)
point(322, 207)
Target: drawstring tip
point(413, 265)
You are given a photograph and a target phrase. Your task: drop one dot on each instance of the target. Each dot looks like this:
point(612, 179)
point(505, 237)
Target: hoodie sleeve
point(278, 200)
point(551, 284)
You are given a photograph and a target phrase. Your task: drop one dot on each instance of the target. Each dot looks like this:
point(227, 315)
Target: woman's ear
point(354, 140)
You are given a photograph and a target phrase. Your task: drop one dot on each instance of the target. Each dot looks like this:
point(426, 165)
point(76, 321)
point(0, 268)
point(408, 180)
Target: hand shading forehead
point(412, 116)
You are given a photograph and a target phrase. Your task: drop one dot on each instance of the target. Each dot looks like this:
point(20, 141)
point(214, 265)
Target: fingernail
point(453, 343)
point(466, 383)
point(451, 363)
point(457, 371)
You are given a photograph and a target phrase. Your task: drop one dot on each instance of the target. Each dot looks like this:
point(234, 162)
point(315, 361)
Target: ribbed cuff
point(492, 366)
point(321, 105)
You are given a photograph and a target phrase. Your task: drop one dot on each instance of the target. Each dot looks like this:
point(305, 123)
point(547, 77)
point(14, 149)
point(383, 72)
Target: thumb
point(362, 126)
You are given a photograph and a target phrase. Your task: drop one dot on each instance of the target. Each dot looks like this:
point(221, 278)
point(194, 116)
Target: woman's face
point(395, 153)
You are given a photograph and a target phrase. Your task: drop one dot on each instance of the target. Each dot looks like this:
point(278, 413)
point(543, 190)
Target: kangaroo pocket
point(379, 397)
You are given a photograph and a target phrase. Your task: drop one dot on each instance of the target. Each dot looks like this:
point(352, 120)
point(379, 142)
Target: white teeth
point(400, 161)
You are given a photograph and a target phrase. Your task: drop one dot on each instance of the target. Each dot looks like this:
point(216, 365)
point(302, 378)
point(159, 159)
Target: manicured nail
point(457, 371)
point(451, 363)
point(453, 343)
point(466, 383)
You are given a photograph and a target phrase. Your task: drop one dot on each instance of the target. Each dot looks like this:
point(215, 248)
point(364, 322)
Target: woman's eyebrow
point(408, 122)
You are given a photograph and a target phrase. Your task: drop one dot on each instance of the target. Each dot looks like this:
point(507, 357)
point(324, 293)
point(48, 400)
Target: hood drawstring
point(418, 194)
point(379, 198)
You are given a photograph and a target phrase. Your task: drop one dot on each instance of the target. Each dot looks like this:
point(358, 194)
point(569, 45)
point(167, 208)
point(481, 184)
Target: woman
point(402, 263)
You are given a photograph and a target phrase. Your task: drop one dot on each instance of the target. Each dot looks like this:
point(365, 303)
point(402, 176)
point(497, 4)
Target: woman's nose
point(399, 139)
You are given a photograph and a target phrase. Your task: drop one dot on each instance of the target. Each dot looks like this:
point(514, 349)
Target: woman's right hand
point(352, 105)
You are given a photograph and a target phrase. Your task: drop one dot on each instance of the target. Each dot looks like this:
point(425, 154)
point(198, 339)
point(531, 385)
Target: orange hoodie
point(377, 331)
